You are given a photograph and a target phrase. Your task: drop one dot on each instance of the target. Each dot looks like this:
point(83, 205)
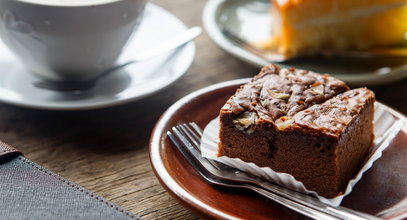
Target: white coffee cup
point(68, 40)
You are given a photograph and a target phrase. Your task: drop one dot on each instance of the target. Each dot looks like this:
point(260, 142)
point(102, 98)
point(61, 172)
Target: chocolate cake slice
point(302, 123)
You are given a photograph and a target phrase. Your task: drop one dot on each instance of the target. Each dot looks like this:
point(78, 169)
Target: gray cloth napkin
point(29, 191)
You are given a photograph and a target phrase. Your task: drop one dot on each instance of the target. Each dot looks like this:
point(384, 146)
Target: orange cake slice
point(306, 26)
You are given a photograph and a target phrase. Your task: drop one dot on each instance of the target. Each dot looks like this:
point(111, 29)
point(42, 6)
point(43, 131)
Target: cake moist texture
point(302, 123)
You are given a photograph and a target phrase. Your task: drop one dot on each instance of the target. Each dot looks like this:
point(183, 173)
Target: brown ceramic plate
point(381, 187)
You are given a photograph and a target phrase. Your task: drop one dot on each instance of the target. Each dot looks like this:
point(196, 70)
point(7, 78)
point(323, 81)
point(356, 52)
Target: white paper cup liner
point(387, 126)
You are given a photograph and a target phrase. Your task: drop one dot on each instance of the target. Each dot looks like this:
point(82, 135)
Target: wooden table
point(106, 150)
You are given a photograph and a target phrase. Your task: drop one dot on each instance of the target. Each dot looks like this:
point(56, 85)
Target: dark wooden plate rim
point(159, 136)
point(159, 133)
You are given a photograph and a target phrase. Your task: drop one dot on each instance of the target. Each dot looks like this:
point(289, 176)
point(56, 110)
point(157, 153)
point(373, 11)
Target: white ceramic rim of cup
point(68, 3)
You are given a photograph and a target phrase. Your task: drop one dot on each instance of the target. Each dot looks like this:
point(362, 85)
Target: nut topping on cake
point(245, 120)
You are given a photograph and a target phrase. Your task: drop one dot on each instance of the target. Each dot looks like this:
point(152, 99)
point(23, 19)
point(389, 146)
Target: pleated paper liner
point(387, 125)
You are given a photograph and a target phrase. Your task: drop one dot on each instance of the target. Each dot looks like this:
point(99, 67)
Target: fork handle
point(305, 210)
point(341, 212)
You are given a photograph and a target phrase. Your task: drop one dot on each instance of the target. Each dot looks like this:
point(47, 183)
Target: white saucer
point(251, 20)
point(134, 81)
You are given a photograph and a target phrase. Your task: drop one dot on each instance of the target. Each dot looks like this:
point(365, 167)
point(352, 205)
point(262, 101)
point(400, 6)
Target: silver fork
point(186, 137)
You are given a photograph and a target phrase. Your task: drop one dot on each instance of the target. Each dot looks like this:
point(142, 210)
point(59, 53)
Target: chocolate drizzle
point(276, 92)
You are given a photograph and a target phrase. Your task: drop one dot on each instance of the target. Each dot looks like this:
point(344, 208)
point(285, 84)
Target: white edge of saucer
point(105, 104)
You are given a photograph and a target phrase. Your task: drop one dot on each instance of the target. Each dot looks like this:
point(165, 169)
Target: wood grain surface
point(106, 150)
